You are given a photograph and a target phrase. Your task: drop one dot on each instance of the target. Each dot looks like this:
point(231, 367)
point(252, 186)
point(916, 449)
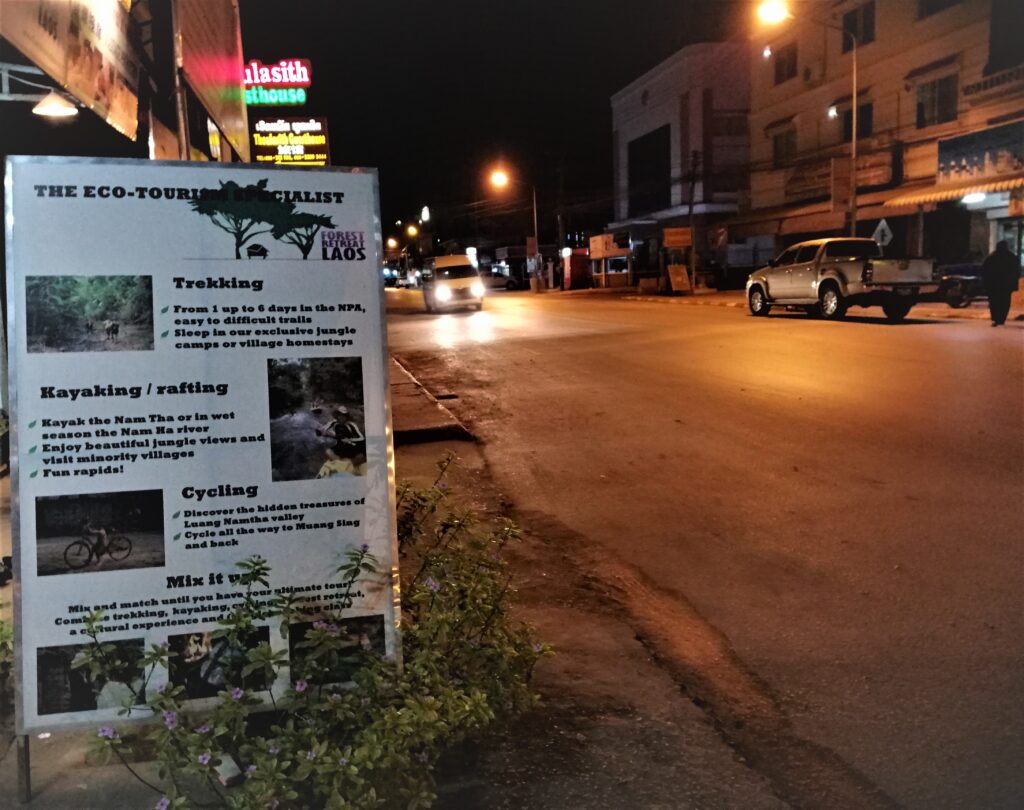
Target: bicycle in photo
point(81, 552)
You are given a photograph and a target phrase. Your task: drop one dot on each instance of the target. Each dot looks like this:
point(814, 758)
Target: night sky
point(432, 92)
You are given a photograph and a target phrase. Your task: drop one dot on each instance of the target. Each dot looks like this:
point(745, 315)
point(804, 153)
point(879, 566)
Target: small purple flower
point(237, 693)
point(311, 755)
point(538, 648)
point(343, 761)
point(365, 547)
point(274, 749)
point(163, 804)
point(162, 689)
point(300, 686)
point(204, 759)
point(203, 729)
point(251, 769)
point(171, 720)
point(431, 585)
point(107, 733)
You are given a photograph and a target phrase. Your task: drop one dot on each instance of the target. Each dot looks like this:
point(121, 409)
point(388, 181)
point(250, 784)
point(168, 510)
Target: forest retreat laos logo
point(246, 212)
point(349, 246)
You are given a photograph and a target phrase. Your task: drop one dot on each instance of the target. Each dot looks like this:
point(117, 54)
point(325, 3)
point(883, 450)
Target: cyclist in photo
point(98, 535)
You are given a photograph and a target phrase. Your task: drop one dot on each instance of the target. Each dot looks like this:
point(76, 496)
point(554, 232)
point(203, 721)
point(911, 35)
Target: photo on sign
point(63, 685)
point(89, 313)
point(359, 638)
point(317, 425)
point(99, 532)
point(204, 665)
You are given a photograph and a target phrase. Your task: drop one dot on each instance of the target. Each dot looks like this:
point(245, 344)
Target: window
point(853, 249)
point(865, 122)
point(786, 257)
point(925, 8)
point(783, 147)
point(861, 24)
point(785, 63)
point(937, 101)
point(806, 254)
point(649, 170)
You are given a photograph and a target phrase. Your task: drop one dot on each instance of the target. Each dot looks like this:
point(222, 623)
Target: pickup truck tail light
point(867, 273)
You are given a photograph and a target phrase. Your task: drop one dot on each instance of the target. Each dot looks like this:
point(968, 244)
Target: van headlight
point(443, 293)
point(476, 289)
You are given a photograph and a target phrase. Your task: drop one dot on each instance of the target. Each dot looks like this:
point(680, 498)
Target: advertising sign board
point(84, 46)
point(211, 54)
point(678, 237)
point(291, 141)
point(204, 387)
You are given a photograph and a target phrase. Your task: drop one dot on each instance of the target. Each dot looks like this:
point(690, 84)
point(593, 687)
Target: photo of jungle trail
point(89, 313)
point(317, 429)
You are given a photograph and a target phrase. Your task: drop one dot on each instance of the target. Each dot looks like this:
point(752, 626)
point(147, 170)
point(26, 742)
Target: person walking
point(1000, 273)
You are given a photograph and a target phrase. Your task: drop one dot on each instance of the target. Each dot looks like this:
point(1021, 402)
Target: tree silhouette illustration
point(242, 210)
point(300, 229)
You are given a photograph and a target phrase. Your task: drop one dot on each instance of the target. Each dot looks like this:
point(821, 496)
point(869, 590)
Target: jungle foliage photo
point(89, 313)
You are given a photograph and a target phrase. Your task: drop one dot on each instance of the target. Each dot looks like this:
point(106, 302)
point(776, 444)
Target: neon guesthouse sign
point(277, 85)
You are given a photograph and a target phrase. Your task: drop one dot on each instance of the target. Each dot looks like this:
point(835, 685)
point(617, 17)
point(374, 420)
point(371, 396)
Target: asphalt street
point(842, 502)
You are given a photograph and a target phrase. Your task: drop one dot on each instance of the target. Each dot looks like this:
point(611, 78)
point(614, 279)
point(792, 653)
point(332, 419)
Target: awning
point(938, 64)
point(941, 192)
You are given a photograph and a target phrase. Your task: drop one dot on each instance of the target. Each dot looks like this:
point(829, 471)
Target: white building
point(696, 101)
point(940, 94)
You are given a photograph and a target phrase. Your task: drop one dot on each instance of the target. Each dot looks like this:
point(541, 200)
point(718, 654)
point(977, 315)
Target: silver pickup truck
point(826, 276)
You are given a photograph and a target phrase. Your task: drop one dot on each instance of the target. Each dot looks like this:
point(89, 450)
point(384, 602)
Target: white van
point(452, 281)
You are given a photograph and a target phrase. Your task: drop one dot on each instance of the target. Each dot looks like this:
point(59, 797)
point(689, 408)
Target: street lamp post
point(773, 12)
point(500, 179)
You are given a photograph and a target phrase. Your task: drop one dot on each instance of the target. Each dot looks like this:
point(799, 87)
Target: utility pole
point(695, 162)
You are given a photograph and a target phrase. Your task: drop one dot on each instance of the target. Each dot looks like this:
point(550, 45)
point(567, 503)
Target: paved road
point(843, 501)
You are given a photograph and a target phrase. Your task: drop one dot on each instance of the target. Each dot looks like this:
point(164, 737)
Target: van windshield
point(461, 271)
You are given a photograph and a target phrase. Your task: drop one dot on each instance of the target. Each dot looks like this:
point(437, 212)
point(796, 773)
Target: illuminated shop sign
point(275, 85)
point(291, 142)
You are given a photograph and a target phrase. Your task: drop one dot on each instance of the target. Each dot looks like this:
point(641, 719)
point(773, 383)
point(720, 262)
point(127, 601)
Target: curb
point(952, 314)
point(435, 422)
point(687, 299)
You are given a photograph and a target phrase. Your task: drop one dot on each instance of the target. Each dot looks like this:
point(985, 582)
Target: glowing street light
point(772, 12)
point(412, 230)
point(500, 179)
point(392, 242)
point(425, 214)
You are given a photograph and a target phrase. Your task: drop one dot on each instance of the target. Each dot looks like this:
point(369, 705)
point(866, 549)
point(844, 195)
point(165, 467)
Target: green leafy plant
point(350, 731)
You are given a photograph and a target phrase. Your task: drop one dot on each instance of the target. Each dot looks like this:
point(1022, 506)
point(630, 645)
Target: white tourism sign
point(197, 376)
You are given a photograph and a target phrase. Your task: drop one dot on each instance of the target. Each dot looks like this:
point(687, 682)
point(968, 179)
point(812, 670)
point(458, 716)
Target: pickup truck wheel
point(896, 309)
point(757, 302)
point(830, 302)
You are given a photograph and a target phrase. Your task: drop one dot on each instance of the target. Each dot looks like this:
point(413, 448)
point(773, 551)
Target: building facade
point(679, 134)
point(940, 120)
